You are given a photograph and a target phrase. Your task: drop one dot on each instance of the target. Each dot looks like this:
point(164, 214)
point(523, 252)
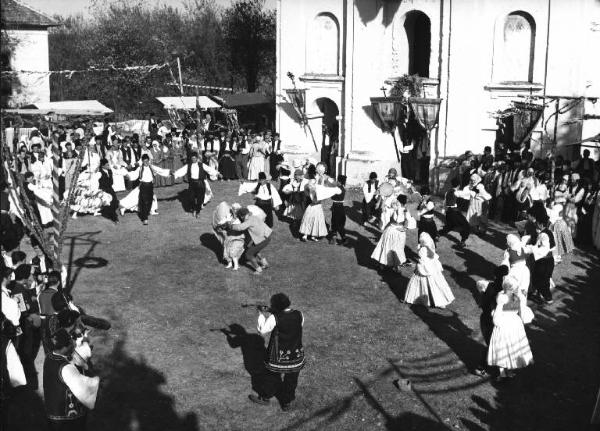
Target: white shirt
point(369, 195)
point(83, 387)
point(541, 247)
point(10, 308)
point(263, 192)
point(194, 171)
point(267, 324)
point(147, 176)
point(16, 373)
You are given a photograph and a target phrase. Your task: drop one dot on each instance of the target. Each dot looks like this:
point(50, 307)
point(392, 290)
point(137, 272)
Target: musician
point(285, 354)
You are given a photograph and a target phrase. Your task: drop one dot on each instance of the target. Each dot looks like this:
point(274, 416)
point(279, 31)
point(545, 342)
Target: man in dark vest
point(285, 354)
point(196, 173)
point(145, 175)
point(68, 393)
point(105, 183)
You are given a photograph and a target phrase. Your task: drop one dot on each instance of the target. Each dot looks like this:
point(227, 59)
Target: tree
point(250, 34)
point(9, 83)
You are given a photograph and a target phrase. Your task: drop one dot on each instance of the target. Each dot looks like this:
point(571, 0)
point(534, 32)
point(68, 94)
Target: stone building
point(27, 31)
point(478, 56)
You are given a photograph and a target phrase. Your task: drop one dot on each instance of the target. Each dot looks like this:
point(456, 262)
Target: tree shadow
point(560, 388)
point(131, 397)
point(476, 266)
point(211, 242)
point(74, 267)
point(253, 351)
point(454, 333)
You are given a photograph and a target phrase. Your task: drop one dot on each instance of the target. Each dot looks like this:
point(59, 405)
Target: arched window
point(323, 47)
point(418, 33)
point(517, 48)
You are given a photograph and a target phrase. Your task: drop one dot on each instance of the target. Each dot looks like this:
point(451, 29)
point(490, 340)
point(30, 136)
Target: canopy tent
point(71, 105)
point(242, 99)
point(188, 103)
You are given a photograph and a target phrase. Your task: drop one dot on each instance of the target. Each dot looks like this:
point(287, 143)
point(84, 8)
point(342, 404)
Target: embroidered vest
point(60, 402)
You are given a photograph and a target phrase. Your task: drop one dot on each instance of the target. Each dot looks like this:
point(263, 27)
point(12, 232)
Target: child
point(370, 199)
point(428, 286)
point(338, 213)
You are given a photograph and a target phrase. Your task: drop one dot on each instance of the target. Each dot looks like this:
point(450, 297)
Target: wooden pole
point(180, 78)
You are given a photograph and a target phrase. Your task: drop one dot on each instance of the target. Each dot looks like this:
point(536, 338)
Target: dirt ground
point(166, 365)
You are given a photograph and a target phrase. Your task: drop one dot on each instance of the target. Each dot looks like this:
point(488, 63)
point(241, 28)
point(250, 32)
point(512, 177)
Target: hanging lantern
point(297, 96)
point(389, 110)
point(426, 111)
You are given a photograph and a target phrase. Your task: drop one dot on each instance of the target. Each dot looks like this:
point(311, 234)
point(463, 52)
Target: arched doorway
point(330, 131)
point(418, 33)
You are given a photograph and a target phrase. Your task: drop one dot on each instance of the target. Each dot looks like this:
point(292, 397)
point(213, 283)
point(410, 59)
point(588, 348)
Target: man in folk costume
point(285, 354)
point(145, 175)
point(543, 266)
point(267, 197)
point(455, 220)
point(68, 392)
point(477, 195)
point(105, 183)
point(370, 199)
point(196, 173)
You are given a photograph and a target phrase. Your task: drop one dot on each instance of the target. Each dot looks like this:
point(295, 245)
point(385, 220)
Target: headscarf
point(426, 241)
point(514, 243)
point(475, 178)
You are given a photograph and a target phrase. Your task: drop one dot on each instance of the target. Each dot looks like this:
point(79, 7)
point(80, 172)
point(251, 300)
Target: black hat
point(372, 175)
point(280, 301)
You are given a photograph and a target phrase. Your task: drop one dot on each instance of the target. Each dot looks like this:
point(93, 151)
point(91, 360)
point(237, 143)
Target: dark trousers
point(456, 221)
point(267, 207)
point(284, 386)
point(241, 166)
point(253, 250)
point(145, 200)
point(427, 224)
point(27, 349)
point(197, 191)
point(369, 209)
point(423, 167)
point(70, 425)
point(111, 209)
point(540, 278)
point(338, 221)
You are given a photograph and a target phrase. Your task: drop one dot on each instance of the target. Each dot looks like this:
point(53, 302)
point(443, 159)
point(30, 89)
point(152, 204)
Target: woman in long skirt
point(166, 163)
point(257, 160)
point(227, 166)
point(428, 286)
point(130, 202)
point(561, 231)
point(509, 347)
point(515, 258)
point(313, 221)
point(233, 242)
point(179, 158)
point(389, 251)
point(476, 193)
point(296, 202)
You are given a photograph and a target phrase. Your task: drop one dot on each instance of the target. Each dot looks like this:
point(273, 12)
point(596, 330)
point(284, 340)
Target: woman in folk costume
point(389, 251)
point(213, 162)
point(313, 221)
point(232, 241)
point(428, 286)
point(542, 251)
point(574, 197)
point(509, 347)
point(426, 218)
point(586, 213)
point(87, 197)
point(258, 154)
point(477, 195)
point(296, 202)
point(156, 156)
point(226, 160)
point(387, 204)
point(515, 258)
point(561, 231)
point(179, 156)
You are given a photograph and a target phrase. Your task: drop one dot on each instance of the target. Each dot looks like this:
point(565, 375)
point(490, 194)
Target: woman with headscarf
point(561, 231)
point(509, 347)
point(389, 251)
point(313, 221)
point(428, 286)
point(515, 258)
point(477, 195)
point(574, 197)
point(258, 154)
point(233, 242)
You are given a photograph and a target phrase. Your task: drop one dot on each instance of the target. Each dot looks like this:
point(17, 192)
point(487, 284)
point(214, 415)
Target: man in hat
point(197, 173)
point(264, 193)
point(338, 213)
point(455, 220)
point(285, 353)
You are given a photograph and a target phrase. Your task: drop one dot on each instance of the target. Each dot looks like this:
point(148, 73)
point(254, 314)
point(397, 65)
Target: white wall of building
point(31, 53)
point(467, 59)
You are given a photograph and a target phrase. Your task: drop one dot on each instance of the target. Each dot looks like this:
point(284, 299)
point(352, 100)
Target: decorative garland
point(407, 85)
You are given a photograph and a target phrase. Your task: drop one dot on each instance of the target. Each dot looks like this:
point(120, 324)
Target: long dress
point(387, 209)
point(390, 247)
point(227, 166)
point(130, 202)
point(517, 264)
point(257, 160)
point(428, 286)
point(166, 163)
point(156, 156)
point(87, 197)
point(313, 221)
point(509, 346)
point(179, 158)
point(561, 231)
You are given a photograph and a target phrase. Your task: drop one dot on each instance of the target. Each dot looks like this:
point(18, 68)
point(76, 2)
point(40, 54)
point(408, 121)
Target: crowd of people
point(551, 203)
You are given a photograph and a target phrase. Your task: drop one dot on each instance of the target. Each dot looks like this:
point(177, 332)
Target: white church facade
point(477, 56)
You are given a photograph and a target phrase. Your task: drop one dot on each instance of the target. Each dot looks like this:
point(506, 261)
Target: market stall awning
point(83, 106)
point(242, 99)
point(188, 102)
point(595, 139)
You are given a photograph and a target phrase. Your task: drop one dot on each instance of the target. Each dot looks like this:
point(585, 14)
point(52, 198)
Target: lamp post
point(297, 97)
point(390, 111)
